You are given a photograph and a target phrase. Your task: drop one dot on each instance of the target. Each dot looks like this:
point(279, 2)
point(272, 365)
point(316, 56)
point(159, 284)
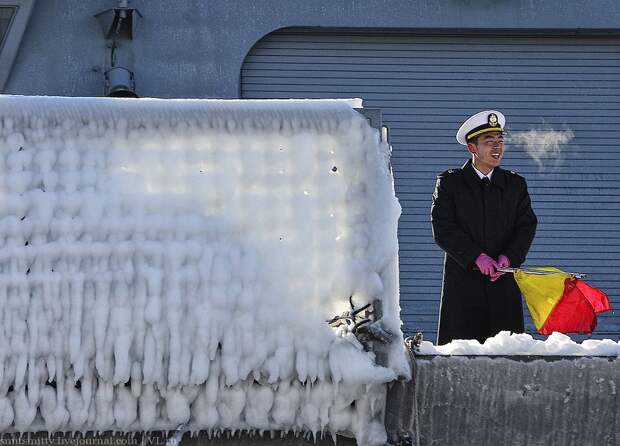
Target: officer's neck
point(484, 170)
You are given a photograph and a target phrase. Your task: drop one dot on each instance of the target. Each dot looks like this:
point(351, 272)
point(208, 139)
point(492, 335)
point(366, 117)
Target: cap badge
point(492, 120)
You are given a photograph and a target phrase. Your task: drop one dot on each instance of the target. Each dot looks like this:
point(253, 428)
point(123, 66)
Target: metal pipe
point(540, 272)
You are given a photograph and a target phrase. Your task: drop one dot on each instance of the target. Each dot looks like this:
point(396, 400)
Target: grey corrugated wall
point(427, 85)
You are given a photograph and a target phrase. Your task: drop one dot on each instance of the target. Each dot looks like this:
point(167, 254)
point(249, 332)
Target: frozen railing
point(174, 263)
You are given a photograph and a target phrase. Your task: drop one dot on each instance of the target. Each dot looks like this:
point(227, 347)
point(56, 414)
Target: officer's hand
point(502, 262)
point(486, 264)
point(496, 275)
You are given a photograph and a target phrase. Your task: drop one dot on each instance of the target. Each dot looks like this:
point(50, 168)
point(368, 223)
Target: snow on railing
point(523, 344)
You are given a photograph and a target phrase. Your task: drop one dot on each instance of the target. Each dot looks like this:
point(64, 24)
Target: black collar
point(498, 178)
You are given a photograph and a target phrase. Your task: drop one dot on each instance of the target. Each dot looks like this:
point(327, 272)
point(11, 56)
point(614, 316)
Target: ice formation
point(505, 343)
point(169, 263)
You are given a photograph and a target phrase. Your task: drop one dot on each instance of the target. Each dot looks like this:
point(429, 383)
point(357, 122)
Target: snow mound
point(505, 343)
point(169, 263)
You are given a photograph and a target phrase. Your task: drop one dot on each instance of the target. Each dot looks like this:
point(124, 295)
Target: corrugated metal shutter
point(426, 86)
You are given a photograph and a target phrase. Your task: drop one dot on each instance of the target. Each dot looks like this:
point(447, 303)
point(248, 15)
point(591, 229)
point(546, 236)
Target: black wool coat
point(469, 218)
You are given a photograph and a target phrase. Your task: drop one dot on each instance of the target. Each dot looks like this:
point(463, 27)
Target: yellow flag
point(542, 292)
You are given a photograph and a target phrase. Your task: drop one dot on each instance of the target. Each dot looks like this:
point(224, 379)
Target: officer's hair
point(473, 140)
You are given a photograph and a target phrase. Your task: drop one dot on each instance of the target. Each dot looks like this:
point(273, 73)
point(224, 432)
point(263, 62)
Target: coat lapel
point(471, 178)
point(498, 178)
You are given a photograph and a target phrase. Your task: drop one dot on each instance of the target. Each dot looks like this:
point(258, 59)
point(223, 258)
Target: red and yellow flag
point(560, 302)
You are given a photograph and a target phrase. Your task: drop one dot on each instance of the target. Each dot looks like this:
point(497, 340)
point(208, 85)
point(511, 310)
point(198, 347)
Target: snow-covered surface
point(169, 263)
point(505, 343)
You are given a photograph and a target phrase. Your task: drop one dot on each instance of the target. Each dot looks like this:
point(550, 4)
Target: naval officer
point(482, 218)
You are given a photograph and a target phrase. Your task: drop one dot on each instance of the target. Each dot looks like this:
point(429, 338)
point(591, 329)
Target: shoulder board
point(448, 172)
point(518, 178)
point(512, 172)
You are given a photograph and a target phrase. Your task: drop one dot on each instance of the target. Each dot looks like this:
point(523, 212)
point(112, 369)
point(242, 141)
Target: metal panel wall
point(427, 85)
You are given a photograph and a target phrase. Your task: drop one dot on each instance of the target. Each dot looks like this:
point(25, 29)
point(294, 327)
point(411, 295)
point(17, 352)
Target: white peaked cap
point(482, 122)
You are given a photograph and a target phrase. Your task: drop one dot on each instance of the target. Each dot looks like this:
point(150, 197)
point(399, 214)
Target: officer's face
point(488, 151)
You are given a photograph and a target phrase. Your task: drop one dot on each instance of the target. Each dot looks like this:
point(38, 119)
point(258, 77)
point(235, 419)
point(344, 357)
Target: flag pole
point(540, 272)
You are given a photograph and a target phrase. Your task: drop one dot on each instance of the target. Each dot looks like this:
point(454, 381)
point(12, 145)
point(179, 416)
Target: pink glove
point(502, 262)
point(486, 264)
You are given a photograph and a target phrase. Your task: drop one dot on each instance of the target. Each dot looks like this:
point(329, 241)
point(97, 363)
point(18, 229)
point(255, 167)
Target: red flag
point(559, 302)
point(598, 299)
point(572, 314)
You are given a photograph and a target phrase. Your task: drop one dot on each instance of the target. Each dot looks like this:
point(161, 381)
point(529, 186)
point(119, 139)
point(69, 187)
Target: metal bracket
point(365, 324)
point(118, 23)
point(375, 120)
point(372, 115)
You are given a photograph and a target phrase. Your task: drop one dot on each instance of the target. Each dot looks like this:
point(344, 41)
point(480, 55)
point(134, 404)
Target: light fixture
point(118, 25)
point(119, 83)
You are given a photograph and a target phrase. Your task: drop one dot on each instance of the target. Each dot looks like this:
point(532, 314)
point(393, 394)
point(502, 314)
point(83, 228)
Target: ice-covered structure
point(169, 263)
